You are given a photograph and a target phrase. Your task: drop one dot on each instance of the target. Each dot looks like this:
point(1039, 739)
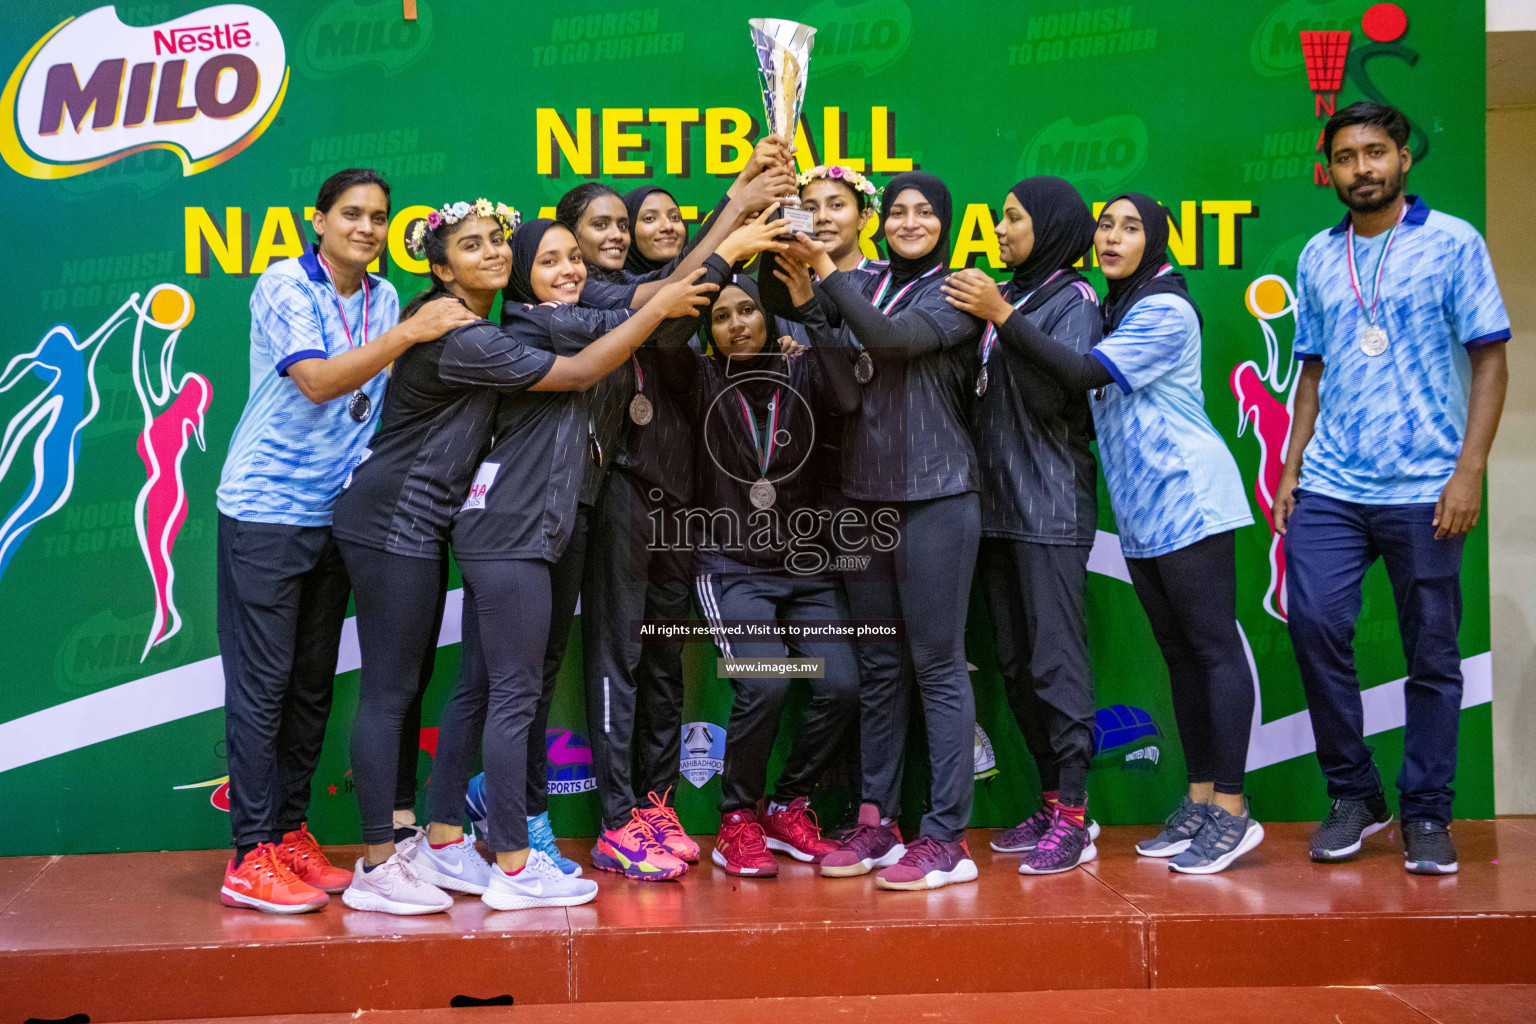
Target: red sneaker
point(930, 864)
point(662, 818)
point(795, 831)
point(740, 847)
point(263, 882)
point(300, 852)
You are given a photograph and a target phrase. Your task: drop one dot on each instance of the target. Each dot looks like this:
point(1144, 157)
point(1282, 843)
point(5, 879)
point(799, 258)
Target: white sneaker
point(458, 866)
point(394, 887)
point(539, 884)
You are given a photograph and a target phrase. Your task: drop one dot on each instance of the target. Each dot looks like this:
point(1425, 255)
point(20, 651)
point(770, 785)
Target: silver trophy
point(783, 60)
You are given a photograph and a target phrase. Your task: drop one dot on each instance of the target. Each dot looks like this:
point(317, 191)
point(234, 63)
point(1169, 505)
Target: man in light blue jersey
point(322, 332)
point(1401, 330)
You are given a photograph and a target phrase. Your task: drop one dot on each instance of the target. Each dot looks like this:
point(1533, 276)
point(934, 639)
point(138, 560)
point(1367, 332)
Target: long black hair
point(573, 206)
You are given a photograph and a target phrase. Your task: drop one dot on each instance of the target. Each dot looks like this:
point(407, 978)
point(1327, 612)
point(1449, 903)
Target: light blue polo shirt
point(1390, 427)
point(289, 457)
point(1171, 479)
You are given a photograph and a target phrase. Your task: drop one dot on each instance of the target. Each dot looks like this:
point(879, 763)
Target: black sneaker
point(1427, 849)
point(1349, 822)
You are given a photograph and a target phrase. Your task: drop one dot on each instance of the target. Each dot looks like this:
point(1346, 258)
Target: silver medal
point(1373, 340)
point(763, 494)
point(359, 406)
point(982, 380)
point(641, 410)
point(864, 369)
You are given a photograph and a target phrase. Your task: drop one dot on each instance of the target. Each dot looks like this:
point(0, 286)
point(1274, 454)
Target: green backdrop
point(110, 742)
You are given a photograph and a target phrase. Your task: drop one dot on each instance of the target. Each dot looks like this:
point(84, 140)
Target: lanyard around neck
point(339, 308)
point(764, 446)
point(885, 282)
point(989, 336)
point(1381, 264)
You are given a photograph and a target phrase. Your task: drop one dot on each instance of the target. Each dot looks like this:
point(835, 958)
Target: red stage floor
point(128, 937)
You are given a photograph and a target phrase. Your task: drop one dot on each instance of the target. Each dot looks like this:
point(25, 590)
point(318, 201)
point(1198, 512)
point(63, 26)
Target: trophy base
point(796, 219)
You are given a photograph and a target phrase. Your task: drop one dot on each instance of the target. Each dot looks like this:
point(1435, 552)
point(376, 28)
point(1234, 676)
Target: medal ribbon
point(765, 447)
point(344, 325)
point(639, 375)
point(1381, 264)
point(885, 283)
point(989, 336)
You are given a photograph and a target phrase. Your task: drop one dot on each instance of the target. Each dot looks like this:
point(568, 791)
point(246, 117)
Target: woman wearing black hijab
point(513, 526)
point(656, 227)
point(1039, 507)
point(763, 555)
point(1178, 500)
point(908, 462)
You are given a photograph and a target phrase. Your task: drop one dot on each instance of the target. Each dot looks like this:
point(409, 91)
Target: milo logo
point(869, 35)
point(101, 650)
point(1276, 47)
point(1095, 158)
point(350, 34)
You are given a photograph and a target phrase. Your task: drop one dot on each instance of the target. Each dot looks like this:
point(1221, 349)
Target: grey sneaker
point(1346, 826)
point(1178, 830)
point(1026, 835)
point(1427, 849)
point(1222, 839)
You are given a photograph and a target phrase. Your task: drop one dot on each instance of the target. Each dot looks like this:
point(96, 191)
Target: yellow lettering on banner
point(867, 237)
point(279, 238)
point(834, 136)
point(805, 153)
point(882, 130)
point(203, 236)
point(676, 121)
point(976, 236)
point(617, 142)
point(716, 138)
point(1184, 245)
point(397, 228)
point(1227, 211)
point(547, 212)
point(551, 132)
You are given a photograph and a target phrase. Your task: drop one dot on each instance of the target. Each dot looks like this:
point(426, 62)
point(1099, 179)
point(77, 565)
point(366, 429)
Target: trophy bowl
point(783, 60)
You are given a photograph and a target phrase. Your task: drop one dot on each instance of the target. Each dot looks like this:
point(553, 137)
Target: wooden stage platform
point(142, 937)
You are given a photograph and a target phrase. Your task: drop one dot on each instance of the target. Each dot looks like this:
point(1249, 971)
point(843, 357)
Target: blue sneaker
point(542, 838)
point(474, 803)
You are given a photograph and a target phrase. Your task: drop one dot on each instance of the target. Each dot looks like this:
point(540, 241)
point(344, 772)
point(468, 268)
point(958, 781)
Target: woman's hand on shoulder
point(976, 293)
point(436, 318)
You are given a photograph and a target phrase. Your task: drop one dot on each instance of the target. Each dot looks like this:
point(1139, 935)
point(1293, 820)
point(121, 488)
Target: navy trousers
point(1329, 545)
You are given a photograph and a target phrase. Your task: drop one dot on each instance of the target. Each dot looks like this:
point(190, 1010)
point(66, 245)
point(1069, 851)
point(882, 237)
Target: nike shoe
point(1427, 849)
point(1346, 826)
point(1180, 827)
point(263, 882)
point(1063, 847)
point(395, 887)
point(741, 847)
point(662, 818)
point(301, 853)
point(1221, 840)
point(795, 831)
point(634, 852)
point(929, 864)
point(540, 883)
point(1026, 834)
point(542, 838)
point(475, 808)
point(870, 845)
point(457, 866)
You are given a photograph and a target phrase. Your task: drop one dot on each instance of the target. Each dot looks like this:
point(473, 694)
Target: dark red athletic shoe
point(740, 847)
point(870, 845)
point(795, 831)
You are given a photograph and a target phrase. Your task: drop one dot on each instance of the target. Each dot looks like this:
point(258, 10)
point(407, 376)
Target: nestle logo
point(192, 38)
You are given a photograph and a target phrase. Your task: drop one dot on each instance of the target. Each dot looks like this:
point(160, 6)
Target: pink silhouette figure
point(161, 508)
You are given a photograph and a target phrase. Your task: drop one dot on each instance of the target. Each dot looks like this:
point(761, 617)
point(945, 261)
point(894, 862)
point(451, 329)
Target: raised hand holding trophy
point(783, 60)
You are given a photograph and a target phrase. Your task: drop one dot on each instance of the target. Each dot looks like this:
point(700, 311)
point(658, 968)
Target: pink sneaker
point(795, 831)
point(929, 864)
point(870, 845)
point(662, 818)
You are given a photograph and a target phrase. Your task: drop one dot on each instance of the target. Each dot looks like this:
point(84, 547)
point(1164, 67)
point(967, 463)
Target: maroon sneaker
point(740, 849)
point(795, 831)
point(929, 864)
point(870, 845)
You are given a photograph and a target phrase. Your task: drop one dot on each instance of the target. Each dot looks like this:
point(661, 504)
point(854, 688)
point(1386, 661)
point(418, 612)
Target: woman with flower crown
point(392, 521)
